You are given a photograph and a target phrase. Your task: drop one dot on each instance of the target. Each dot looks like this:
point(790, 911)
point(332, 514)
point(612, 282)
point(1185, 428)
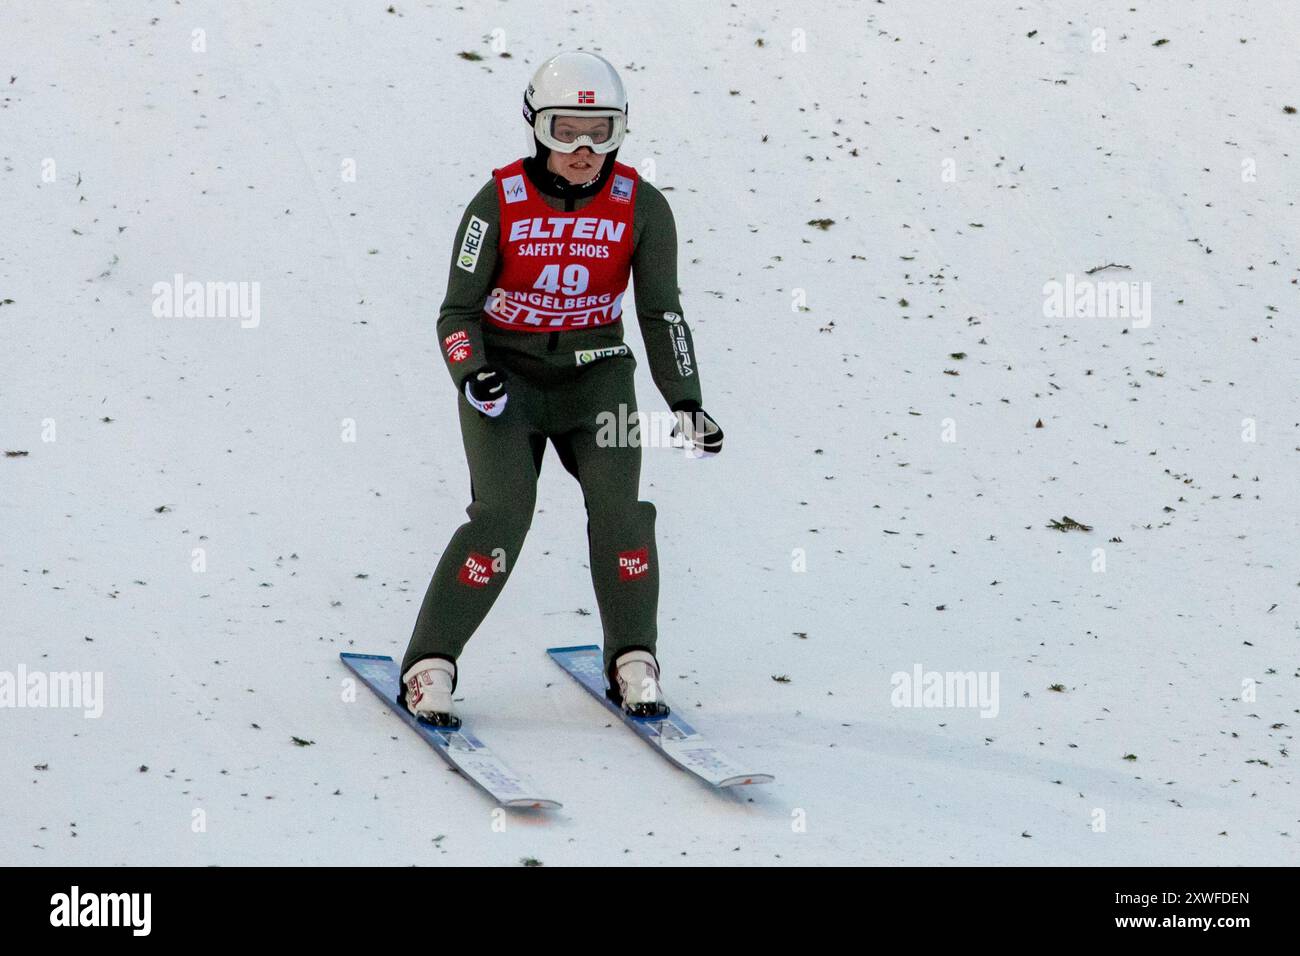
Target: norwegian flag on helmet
point(586, 97)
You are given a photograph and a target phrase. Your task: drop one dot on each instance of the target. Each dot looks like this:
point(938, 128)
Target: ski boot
point(429, 684)
point(635, 686)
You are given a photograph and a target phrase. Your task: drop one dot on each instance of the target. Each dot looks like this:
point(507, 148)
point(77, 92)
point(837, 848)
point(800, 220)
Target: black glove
point(486, 390)
point(698, 430)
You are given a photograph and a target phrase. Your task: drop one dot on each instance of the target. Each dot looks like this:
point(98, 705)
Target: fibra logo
point(681, 349)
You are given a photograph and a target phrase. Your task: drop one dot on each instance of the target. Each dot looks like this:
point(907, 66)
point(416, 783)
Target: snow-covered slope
point(967, 155)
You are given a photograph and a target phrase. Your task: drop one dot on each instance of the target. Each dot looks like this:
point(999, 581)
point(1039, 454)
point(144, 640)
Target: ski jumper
point(536, 287)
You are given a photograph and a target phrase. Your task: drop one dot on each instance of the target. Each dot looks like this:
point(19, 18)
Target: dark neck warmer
point(555, 185)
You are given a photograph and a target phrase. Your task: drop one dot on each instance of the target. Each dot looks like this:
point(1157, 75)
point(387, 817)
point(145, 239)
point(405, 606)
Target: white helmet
point(569, 97)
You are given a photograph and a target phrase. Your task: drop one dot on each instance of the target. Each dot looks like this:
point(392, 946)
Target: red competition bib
point(561, 270)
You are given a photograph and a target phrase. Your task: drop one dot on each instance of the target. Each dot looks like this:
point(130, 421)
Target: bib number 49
point(575, 280)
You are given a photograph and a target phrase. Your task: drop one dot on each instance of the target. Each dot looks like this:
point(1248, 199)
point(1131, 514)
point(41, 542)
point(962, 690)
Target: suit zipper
point(554, 340)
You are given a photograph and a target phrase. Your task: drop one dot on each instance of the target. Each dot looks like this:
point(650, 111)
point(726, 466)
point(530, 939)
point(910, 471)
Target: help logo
point(633, 564)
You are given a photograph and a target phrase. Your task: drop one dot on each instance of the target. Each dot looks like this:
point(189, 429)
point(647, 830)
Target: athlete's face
point(582, 165)
point(578, 167)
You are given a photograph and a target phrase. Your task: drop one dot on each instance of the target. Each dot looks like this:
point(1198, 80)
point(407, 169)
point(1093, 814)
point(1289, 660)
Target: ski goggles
point(567, 131)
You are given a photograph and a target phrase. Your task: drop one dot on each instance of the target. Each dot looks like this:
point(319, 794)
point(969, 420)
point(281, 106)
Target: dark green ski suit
point(559, 384)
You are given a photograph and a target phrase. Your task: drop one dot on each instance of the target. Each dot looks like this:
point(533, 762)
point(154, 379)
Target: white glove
point(486, 390)
point(700, 434)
